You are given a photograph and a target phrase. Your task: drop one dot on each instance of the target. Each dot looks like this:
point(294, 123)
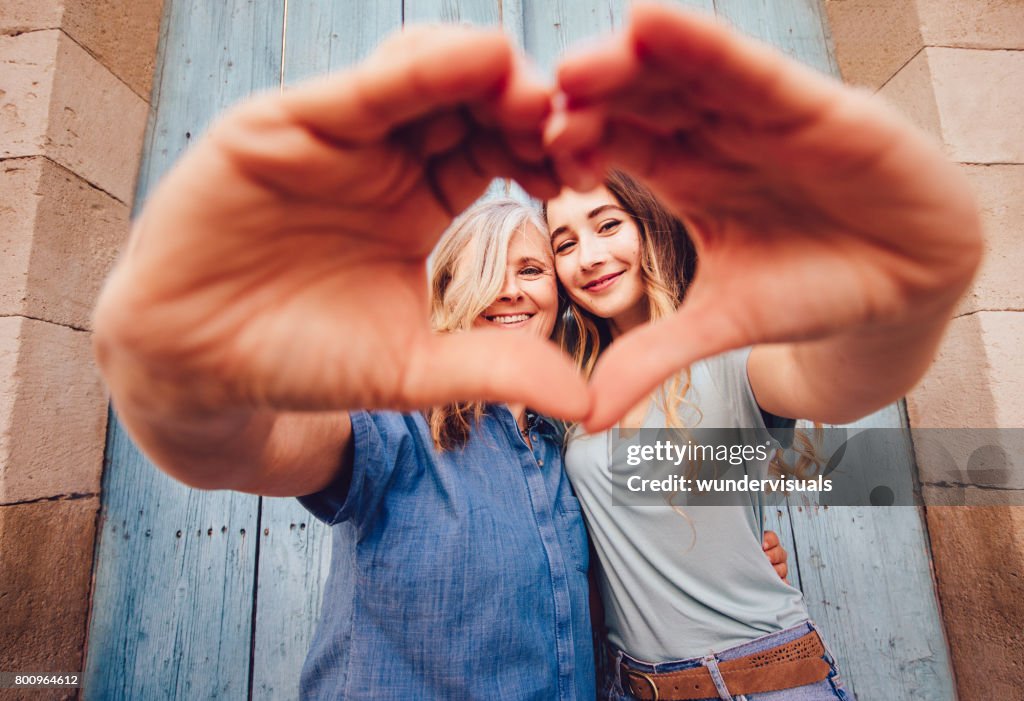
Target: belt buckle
point(646, 677)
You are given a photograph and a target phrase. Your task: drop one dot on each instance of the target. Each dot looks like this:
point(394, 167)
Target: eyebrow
point(530, 259)
point(590, 215)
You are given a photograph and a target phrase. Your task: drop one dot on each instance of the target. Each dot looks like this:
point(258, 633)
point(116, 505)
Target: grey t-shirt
point(682, 582)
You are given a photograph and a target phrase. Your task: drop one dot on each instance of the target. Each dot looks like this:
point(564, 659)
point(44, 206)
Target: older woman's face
point(528, 300)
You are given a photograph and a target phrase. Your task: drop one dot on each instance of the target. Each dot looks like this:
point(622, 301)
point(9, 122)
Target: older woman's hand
point(281, 264)
point(776, 554)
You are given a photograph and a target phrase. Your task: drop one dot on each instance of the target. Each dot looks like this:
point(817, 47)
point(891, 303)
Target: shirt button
point(540, 463)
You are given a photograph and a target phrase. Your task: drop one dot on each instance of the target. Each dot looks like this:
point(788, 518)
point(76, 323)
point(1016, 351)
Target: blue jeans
point(828, 689)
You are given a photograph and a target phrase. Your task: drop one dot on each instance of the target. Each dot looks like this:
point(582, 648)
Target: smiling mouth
point(602, 282)
point(508, 319)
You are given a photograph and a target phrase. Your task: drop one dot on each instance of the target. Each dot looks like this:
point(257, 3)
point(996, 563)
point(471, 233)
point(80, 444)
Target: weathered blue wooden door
point(215, 595)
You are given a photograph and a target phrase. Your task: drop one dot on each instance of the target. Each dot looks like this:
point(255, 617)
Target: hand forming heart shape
point(282, 263)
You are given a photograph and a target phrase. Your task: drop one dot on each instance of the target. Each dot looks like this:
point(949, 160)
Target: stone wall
point(75, 78)
point(956, 69)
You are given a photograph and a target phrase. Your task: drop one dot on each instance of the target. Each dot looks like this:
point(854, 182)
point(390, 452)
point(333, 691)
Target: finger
point(411, 75)
point(641, 360)
point(598, 70)
point(437, 133)
point(783, 572)
point(496, 366)
point(569, 132)
point(712, 62)
point(776, 554)
point(526, 147)
point(458, 177)
point(582, 173)
point(524, 103)
point(683, 169)
point(770, 540)
point(490, 152)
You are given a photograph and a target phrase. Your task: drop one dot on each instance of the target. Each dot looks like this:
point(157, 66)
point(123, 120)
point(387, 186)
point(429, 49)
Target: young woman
point(678, 580)
point(833, 244)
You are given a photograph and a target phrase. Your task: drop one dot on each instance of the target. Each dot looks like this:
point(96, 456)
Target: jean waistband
point(765, 642)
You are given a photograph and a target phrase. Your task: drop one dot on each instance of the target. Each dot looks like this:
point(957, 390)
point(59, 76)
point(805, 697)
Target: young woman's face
point(528, 300)
point(597, 255)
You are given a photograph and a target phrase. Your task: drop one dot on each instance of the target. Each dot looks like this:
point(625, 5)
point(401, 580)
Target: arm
point(276, 278)
point(840, 379)
point(831, 235)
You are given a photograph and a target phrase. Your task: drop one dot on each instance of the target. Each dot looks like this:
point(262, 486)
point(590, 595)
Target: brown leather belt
point(794, 664)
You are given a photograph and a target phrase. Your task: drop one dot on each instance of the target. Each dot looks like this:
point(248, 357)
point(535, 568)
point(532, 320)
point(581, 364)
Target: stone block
point(975, 106)
point(911, 91)
point(53, 412)
point(60, 102)
point(977, 379)
point(873, 38)
point(975, 24)
point(46, 554)
point(979, 568)
point(998, 189)
point(20, 16)
point(59, 236)
point(122, 34)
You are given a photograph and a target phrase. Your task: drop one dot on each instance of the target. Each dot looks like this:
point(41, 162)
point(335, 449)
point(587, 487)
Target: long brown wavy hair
point(668, 262)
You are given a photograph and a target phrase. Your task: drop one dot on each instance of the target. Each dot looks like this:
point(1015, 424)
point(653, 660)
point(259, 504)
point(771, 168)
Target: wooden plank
point(478, 12)
point(867, 578)
point(549, 28)
point(867, 581)
point(172, 603)
point(798, 27)
point(294, 560)
point(328, 36)
point(172, 600)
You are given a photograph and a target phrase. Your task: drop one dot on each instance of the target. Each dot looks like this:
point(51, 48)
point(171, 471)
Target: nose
point(510, 291)
point(592, 252)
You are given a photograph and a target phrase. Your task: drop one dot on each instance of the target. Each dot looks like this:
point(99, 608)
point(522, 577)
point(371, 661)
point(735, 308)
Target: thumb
point(496, 366)
point(641, 360)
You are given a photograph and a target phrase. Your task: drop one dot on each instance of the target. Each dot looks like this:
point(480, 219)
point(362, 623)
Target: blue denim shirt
point(455, 575)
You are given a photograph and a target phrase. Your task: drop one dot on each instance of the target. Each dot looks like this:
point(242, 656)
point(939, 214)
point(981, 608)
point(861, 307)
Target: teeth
point(510, 318)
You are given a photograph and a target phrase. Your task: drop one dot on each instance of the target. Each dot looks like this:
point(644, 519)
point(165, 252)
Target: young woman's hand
point(281, 264)
point(817, 213)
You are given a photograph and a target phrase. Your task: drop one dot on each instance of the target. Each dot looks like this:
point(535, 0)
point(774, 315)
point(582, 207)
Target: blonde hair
point(466, 276)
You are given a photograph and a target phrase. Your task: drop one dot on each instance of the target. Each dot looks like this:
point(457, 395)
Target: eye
point(608, 226)
point(531, 271)
point(565, 246)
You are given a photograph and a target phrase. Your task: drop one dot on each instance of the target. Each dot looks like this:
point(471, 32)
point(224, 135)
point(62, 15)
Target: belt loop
point(711, 662)
point(617, 679)
point(814, 626)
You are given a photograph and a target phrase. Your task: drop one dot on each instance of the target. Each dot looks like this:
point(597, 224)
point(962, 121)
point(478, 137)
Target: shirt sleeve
point(735, 384)
point(379, 439)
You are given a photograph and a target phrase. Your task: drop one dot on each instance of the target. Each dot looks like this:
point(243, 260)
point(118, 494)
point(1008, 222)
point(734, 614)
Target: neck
point(519, 414)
